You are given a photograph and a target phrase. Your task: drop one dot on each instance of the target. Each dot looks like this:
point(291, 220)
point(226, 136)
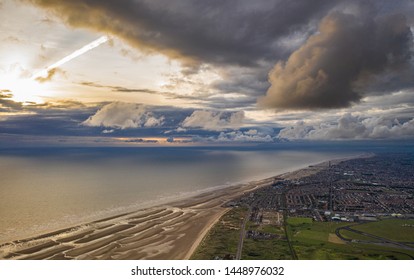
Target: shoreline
point(34, 223)
point(204, 233)
point(172, 230)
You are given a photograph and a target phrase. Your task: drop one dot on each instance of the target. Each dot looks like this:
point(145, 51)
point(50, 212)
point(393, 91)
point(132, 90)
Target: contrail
point(73, 55)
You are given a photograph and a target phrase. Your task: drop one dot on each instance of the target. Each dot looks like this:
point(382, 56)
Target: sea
point(47, 189)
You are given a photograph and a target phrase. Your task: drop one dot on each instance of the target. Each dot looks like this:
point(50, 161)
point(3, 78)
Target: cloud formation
point(49, 75)
point(213, 120)
point(214, 35)
point(122, 116)
point(7, 104)
point(253, 135)
point(360, 48)
point(352, 128)
point(332, 68)
point(248, 136)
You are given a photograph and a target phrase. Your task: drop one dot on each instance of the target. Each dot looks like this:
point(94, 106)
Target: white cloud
point(108, 131)
point(299, 131)
point(153, 121)
point(251, 132)
point(239, 136)
point(351, 127)
point(123, 115)
point(180, 129)
point(216, 121)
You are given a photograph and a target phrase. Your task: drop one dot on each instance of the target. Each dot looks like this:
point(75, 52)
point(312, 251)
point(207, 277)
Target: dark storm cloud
point(49, 118)
point(41, 121)
point(221, 32)
point(361, 48)
point(251, 81)
point(334, 66)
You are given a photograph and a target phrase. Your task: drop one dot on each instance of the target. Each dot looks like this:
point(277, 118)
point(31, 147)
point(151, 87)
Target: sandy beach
point(171, 231)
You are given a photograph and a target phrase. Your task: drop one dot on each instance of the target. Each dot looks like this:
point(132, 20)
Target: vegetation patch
point(299, 221)
point(401, 230)
point(274, 249)
point(222, 240)
point(315, 242)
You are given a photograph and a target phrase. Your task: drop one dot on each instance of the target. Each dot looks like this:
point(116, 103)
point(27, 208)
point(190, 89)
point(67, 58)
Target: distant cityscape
point(357, 208)
point(352, 190)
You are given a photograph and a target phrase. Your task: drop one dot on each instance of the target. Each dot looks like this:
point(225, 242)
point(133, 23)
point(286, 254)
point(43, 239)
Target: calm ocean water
point(48, 189)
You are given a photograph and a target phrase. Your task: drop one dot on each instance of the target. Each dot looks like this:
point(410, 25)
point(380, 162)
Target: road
point(381, 240)
point(242, 235)
point(285, 217)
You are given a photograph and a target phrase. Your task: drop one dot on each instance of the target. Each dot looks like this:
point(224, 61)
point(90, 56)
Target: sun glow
point(23, 90)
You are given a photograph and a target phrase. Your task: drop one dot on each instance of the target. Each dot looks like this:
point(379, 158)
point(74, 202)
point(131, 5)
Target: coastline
point(169, 231)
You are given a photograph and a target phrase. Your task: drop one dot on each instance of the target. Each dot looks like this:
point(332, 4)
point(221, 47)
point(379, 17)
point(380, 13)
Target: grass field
point(356, 236)
point(274, 249)
point(311, 241)
point(295, 221)
point(401, 230)
point(272, 229)
point(222, 239)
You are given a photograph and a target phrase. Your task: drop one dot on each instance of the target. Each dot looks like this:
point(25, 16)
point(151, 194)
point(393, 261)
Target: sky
point(136, 72)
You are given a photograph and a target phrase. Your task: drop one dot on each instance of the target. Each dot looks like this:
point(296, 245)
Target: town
point(355, 208)
point(351, 190)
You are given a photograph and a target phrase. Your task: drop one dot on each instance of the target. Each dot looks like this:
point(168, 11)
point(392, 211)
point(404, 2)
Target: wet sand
point(171, 231)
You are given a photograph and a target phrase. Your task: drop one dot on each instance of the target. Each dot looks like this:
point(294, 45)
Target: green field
point(356, 236)
point(272, 229)
point(222, 239)
point(393, 229)
point(295, 221)
point(274, 249)
point(310, 240)
point(318, 241)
